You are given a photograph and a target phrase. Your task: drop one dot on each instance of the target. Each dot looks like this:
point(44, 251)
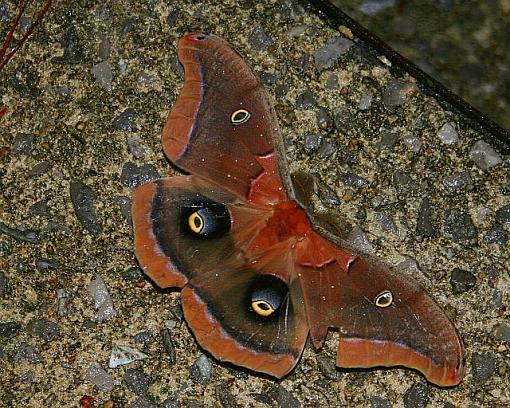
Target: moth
point(258, 272)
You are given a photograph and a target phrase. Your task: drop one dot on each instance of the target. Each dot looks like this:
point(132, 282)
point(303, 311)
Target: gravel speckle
point(84, 198)
point(398, 92)
point(124, 122)
point(447, 134)
point(365, 101)
point(98, 376)
point(122, 355)
point(462, 281)
point(458, 225)
point(502, 332)
point(324, 122)
point(136, 380)
point(102, 72)
point(4, 284)
point(39, 169)
point(312, 141)
point(359, 240)
point(23, 144)
point(134, 175)
point(44, 328)
point(259, 40)
point(495, 235)
point(386, 223)
point(73, 47)
point(328, 55)
point(141, 402)
point(135, 147)
point(64, 300)
point(20, 234)
point(378, 402)
point(484, 155)
point(102, 300)
point(285, 399)
point(417, 396)
point(484, 366)
point(124, 204)
point(39, 208)
point(45, 264)
point(26, 354)
point(173, 16)
point(201, 370)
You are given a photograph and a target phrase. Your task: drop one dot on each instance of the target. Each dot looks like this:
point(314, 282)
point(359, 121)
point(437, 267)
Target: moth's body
point(256, 277)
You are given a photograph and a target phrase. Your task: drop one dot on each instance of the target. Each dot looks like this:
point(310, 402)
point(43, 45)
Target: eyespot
point(239, 117)
point(267, 295)
point(210, 220)
point(196, 222)
point(384, 299)
point(202, 37)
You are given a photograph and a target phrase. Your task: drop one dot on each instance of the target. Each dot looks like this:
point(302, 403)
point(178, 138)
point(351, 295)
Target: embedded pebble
point(458, 225)
point(4, 12)
point(386, 223)
point(39, 208)
point(404, 184)
point(388, 141)
point(325, 193)
point(259, 40)
point(365, 101)
point(262, 398)
point(122, 355)
point(26, 354)
point(177, 67)
point(462, 281)
point(483, 366)
point(4, 282)
point(306, 100)
point(502, 332)
point(23, 144)
point(312, 141)
point(495, 235)
point(102, 300)
point(496, 301)
point(447, 134)
point(281, 90)
point(27, 376)
point(62, 90)
point(20, 234)
point(226, 399)
point(484, 155)
point(285, 399)
point(44, 264)
point(64, 300)
point(409, 265)
point(8, 330)
point(201, 370)
point(324, 122)
point(168, 345)
point(371, 7)
point(102, 72)
point(135, 147)
point(133, 273)
point(44, 328)
point(128, 25)
point(359, 239)
point(352, 180)
point(328, 55)
point(326, 149)
point(173, 16)
point(84, 199)
point(267, 78)
point(457, 181)
point(39, 169)
point(124, 122)
point(416, 396)
point(424, 225)
point(303, 63)
point(172, 402)
point(398, 92)
point(412, 142)
point(98, 376)
point(296, 31)
point(134, 175)
point(124, 204)
point(378, 402)
point(141, 402)
point(503, 215)
point(73, 47)
point(331, 81)
point(136, 380)
point(328, 368)
point(104, 47)
point(145, 337)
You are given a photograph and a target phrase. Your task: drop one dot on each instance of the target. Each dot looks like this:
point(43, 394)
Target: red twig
point(4, 59)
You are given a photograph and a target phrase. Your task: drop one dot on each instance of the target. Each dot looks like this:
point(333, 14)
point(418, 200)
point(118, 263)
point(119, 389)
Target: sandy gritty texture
point(77, 136)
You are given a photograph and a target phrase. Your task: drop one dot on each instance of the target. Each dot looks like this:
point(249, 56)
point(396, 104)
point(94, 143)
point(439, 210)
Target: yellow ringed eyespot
point(262, 307)
point(196, 222)
point(239, 117)
point(384, 299)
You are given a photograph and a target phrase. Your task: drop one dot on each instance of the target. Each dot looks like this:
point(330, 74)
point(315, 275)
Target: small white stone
point(448, 134)
point(122, 355)
point(484, 155)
